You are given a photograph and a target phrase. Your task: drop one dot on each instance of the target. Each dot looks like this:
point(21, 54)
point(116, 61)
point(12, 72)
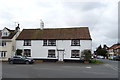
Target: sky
point(101, 16)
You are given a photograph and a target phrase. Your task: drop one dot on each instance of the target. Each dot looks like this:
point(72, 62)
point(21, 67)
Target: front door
point(60, 55)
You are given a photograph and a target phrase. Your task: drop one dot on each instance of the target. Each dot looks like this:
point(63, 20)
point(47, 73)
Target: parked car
point(20, 59)
point(100, 57)
point(117, 58)
point(111, 57)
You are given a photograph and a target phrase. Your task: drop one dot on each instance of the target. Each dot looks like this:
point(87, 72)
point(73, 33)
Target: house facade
point(8, 42)
point(55, 43)
point(114, 50)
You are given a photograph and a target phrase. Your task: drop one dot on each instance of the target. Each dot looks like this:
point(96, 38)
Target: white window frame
point(3, 54)
point(49, 42)
point(27, 52)
point(75, 42)
point(50, 54)
point(3, 43)
point(76, 54)
point(27, 42)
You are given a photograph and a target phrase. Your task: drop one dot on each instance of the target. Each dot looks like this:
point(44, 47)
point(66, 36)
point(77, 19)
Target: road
point(110, 63)
point(61, 70)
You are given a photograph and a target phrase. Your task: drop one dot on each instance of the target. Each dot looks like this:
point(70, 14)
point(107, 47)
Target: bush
point(86, 54)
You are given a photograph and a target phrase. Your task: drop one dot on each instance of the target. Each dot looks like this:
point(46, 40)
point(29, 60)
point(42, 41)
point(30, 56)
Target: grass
point(96, 61)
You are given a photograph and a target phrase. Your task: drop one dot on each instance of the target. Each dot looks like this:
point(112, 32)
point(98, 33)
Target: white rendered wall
point(40, 51)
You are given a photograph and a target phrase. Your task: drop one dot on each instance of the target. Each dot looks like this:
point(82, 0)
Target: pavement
point(61, 70)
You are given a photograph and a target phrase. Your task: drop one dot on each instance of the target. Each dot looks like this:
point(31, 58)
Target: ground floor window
point(51, 53)
point(27, 52)
point(75, 54)
point(3, 53)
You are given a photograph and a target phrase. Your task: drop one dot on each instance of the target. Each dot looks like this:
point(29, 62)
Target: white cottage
point(7, 42)
point(54, 43)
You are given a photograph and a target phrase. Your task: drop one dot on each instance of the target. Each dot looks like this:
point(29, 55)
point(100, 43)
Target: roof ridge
point(56, 28)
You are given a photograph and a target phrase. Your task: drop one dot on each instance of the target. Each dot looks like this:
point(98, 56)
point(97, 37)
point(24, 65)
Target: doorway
point(60, 55)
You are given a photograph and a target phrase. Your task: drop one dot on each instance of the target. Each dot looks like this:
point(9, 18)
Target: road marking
point(114, 68)
point(88, 67)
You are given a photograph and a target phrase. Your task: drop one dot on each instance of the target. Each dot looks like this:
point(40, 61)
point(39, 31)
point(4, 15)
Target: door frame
point(58, 51)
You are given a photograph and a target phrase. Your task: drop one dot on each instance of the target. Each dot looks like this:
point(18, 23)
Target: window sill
point(75, 45)
point(51, 57)
point(75, 57)
point(49, 45)
point(26, 45)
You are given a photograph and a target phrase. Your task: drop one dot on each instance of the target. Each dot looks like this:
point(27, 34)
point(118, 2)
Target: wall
point(40, 51)
point(10, 46)
point(7, 48)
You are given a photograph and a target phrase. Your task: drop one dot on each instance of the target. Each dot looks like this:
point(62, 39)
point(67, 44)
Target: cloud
point(99, 16)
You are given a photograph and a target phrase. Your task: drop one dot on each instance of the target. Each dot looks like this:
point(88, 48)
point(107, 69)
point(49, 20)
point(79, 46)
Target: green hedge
point(96, 61)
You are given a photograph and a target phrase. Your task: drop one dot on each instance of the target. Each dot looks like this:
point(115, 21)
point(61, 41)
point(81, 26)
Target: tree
point(19, 52)
point(101, 51)
point(87, 54)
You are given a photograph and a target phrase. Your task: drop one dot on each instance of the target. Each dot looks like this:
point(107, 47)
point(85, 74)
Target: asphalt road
point(61, 70)
point(110, 63)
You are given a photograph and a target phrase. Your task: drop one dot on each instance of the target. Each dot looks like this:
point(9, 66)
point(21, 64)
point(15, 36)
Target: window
point(3, 53)
point(5, 33)
point(27, 52)
point(51, 53)
point(45, 42)
point(49, 42)
point(3, 43)
point(27, 42)
point(17, 57)
point(75, 54)
point(75, 43)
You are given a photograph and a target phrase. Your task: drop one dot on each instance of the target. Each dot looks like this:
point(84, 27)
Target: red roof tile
point(115, 46)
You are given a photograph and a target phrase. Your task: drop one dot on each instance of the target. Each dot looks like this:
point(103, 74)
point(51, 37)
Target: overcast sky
point(101, 16)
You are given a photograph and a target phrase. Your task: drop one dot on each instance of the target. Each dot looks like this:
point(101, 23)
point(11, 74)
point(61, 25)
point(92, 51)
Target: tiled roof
point(55, 33)
point(12, 33)
point(115, 46)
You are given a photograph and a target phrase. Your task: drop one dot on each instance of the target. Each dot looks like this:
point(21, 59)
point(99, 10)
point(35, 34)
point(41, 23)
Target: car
point(20, 59)
point(117, 58)
point(100, 57)
point(111, 57)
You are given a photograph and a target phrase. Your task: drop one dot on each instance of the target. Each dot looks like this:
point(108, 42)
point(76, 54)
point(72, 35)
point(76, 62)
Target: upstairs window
point(5, 33)
point(3, 43)
point(45, 42)
point(75, 54)
point(51, 53)
point(75, 43)
point(49, 42)
point(3, 54)
point(27, 42)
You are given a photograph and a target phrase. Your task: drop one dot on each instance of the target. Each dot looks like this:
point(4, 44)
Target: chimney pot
point(41, 24)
